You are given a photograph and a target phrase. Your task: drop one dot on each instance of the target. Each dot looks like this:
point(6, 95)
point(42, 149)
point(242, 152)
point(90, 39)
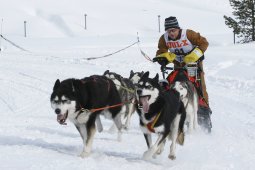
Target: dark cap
point(171, 22)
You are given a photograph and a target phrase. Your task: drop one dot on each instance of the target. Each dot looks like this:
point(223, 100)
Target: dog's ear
point(156, 78)
point(75, 85)
point(146, 74)
point(56, 85)
point(142, 73)
point(106, 72)
point(131, 73)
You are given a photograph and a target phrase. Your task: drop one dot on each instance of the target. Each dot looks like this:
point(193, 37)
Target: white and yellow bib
point(180, 47)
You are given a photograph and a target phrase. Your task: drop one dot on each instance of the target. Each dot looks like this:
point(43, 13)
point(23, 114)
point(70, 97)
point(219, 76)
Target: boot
point(204, 111)
point(204, 117)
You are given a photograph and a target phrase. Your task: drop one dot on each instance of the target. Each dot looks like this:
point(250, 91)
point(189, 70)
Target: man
point(181, 47)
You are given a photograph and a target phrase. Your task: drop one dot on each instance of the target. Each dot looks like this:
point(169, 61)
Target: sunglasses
point(172, 30)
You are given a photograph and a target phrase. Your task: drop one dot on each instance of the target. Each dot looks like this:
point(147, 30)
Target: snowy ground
point(31, 138)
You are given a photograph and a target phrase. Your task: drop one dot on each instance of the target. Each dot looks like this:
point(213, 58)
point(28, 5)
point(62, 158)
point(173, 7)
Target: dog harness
point(151, 124)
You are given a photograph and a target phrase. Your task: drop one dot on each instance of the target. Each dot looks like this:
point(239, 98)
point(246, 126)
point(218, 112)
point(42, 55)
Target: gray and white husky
point(126, 91)
point(189, 98)
point(135, 76)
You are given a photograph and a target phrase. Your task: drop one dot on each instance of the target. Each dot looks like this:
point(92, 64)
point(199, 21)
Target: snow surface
point(57, 44)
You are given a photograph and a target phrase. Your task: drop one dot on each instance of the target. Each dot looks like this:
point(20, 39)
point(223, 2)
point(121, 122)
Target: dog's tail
point(182, 111)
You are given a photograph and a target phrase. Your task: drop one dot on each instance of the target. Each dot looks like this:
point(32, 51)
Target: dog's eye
point(55, 101)
point(66, 101)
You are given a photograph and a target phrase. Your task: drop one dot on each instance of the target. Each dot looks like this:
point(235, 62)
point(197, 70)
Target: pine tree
point(244, 25)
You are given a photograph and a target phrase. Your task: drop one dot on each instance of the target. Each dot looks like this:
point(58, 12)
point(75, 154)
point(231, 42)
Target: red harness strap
point(150, 128)
point(150, 125)
point(172, 76)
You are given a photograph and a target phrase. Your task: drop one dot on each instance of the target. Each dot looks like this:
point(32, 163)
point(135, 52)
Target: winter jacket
point(194, 37)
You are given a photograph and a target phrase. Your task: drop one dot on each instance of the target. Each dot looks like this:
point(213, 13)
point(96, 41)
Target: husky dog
point(202, 115)
point(135, 76)
point(189, 98)
point(126, 91)
point(160, 112)
point(82, 100)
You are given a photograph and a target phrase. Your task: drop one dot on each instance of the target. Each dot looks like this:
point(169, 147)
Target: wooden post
point(25, 28)
point(158, 23)
point(85, 16)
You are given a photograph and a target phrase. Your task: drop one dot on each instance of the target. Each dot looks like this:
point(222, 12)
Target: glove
point(169, 56)
point(165, 58)
point(160, 60)
point(193, 56)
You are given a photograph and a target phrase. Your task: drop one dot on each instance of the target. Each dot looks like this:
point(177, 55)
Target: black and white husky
point(160, 112)
point(126, 91)
point(189, 98)
point(135, 76)
point(82, 100)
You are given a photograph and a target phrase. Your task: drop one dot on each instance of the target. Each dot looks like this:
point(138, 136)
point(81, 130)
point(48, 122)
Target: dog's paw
point(190, 130)
point(99, 129)
point(119, 137)
point(147, 155)
point(125, 128)
point(172, 157)
point(160, 150)
point(112, 129)
point(84, 154)
point(154, 156)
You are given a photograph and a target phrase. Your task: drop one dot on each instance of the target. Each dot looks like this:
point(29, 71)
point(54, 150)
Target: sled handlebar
point(163, 69)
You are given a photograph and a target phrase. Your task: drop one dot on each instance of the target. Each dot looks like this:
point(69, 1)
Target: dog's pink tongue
point(144, 102)
point(61, 119)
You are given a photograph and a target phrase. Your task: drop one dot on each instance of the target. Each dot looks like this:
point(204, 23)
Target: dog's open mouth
point(144, 103)
point(61, 118)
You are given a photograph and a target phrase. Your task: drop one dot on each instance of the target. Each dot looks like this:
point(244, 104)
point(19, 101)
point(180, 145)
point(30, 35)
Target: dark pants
point(204, 91)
